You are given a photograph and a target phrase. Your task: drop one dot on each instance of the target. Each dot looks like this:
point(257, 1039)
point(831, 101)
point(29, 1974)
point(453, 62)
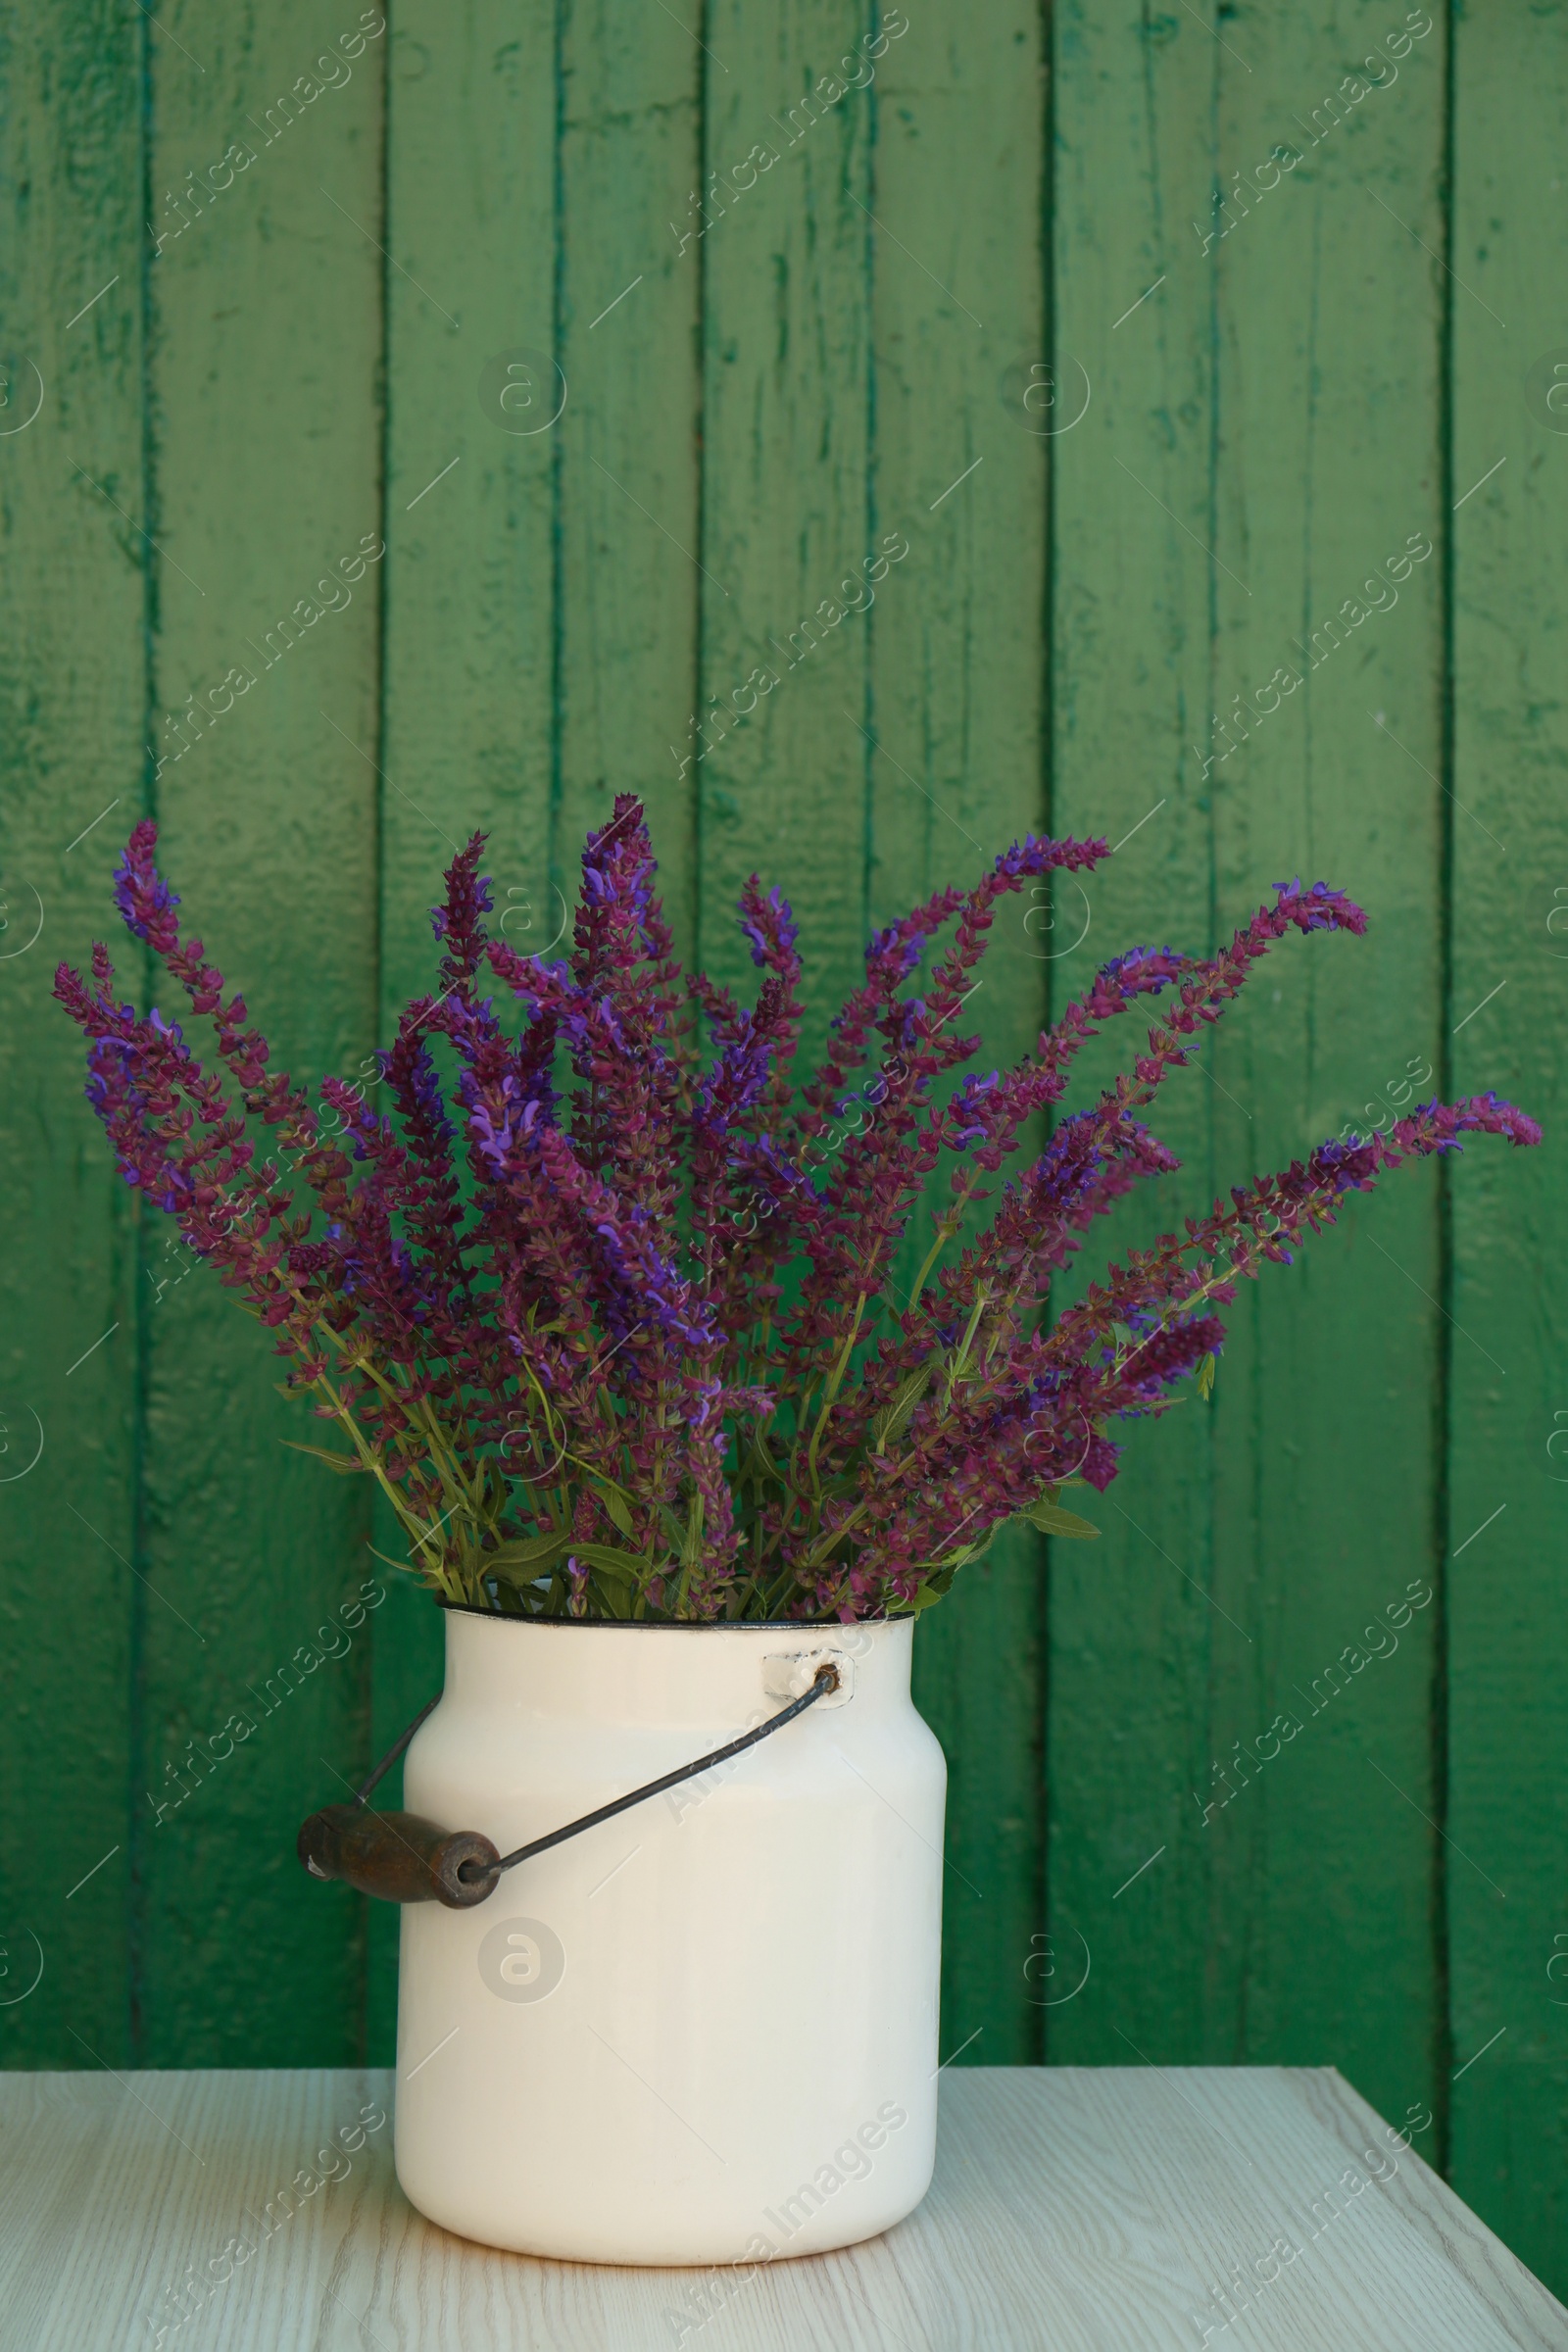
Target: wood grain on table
point(1087, 2210)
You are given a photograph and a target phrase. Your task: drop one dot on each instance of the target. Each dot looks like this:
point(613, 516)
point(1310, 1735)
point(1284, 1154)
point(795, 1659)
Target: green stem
point(830, 1390)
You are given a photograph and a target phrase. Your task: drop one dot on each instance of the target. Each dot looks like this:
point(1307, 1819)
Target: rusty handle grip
point(400, 1857)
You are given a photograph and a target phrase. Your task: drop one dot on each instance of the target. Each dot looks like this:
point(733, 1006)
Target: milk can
point(706, 2031)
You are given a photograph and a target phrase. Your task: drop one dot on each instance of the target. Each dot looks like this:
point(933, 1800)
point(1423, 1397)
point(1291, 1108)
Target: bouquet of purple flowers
point(608, 1318)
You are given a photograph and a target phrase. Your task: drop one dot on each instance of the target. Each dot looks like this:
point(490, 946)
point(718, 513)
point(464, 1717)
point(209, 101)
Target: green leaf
point(763, 1459)
point(615, 1502)
point(630, 1565)
point(532, 1552)
point(1052, 1520)
point(509, 1602)
point(935, 1585)
point(616, 1601)
point(404, 1567)
point(1206, 1377)
point(891, 1423)
point(675, 1529)
point(349, 1464)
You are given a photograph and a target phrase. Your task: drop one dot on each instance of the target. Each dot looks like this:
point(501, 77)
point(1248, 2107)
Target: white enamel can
point(705, 2031)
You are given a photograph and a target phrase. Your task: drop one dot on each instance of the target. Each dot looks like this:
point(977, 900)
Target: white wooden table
point(1084, 2210)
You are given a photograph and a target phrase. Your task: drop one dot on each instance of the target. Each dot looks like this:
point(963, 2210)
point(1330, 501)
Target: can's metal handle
point(406, 1859)
point(399, 1856)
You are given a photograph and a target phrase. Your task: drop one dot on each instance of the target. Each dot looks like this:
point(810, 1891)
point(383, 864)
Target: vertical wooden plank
point(467, 731)
point(265, 488)
point(845, 394)
point(628, 451)
point(1289, 450)
point(1339, 1871)
point(956, 708)
point(1506, 1016)
point(71, 589)
point(547, 583)
point(851, 386)
point(786, 488)
point(471, 649)
point(1132, 625)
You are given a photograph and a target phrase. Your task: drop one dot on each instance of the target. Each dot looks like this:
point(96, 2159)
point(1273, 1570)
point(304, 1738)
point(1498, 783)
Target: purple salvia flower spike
point(626, 1343)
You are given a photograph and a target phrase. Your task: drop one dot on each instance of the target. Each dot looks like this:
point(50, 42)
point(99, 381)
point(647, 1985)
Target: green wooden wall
point(1032, 292)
